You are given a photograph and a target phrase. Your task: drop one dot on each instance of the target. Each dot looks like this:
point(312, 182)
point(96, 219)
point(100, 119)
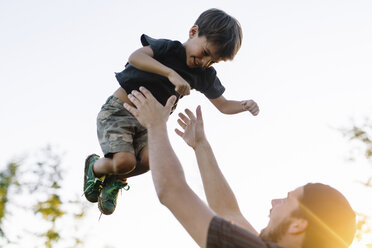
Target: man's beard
point(276, 233)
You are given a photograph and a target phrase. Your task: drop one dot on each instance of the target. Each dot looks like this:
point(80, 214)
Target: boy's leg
point(113, 183)
point(115, 130)
point(141, 151)
point(95, 168)
point(120, 134)
point(120, 165)
point(142, 165)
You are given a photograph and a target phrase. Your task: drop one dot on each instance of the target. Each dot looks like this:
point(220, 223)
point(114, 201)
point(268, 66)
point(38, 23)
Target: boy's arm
point(233, 107)
point(167, 173)
point(220, 197)
point(143, 59)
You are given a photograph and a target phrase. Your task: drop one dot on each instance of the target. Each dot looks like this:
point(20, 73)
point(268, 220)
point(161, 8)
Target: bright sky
point(307, 63)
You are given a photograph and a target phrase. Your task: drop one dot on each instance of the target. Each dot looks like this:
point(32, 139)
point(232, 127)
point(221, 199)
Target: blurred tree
point(7, 179)
point(361, 134)
point(30, 191)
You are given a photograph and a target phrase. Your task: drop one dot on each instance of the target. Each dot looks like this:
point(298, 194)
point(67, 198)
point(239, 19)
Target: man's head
point(314, 215)
point(215, 36)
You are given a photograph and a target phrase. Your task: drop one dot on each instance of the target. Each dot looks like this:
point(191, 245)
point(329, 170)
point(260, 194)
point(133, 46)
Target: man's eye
point(205, 53)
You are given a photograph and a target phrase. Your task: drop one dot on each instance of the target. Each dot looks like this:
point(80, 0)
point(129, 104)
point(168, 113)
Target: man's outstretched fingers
point(199, 115)
point(184, 118)
point(181, 123)
point(190, 114)
point(179, 132)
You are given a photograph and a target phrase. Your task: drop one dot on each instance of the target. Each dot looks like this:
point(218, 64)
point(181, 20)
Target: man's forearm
point(172, 189)
point(220, 197)
point(166, 169)
point(167, 173)
point(219, 194)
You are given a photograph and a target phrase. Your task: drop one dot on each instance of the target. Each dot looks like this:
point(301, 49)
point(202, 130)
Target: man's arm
point(220, 197)
point(167, 173)
point(233, 107)
point(143, 59)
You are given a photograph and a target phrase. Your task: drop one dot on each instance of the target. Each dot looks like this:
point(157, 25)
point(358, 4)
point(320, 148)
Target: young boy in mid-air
point(165, 68)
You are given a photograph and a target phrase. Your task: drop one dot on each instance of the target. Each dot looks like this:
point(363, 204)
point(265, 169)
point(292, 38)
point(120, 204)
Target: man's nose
point(275, 202)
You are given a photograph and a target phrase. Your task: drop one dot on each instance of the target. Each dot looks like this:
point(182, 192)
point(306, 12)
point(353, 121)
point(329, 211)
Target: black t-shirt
point(171, 54)
point(223, 234)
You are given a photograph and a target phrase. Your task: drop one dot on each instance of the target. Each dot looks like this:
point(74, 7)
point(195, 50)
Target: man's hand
point(148, 110)
point(251, 106)
point(193, 127)
point(180, 84)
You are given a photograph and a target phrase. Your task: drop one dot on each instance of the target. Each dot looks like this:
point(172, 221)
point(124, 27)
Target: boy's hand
point(193, 127)
point(148, 111)
point(251, 106)
point(180, 84)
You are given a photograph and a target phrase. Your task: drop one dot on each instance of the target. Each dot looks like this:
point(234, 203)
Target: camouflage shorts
point(118, 130)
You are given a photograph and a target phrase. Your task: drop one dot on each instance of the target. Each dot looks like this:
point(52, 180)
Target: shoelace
point(117, 186)
point(94, 184)
point(112, 193)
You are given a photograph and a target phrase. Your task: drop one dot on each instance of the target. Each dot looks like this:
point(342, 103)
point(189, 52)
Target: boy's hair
point(331, 220)
point(222, 30)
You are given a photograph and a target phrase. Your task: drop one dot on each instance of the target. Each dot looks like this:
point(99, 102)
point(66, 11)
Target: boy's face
point(199, 52)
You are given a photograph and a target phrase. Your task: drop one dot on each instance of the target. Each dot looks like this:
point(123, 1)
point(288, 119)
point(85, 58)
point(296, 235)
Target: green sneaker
point(109, 194)
point(92, 184)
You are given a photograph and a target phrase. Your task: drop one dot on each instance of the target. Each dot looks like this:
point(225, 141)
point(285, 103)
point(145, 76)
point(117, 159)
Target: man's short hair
point(222, 30)
point(331, 220)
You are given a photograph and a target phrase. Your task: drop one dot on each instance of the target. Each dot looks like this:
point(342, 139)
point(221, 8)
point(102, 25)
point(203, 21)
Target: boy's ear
point(194, 30)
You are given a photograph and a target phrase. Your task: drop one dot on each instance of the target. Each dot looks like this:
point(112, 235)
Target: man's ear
point(194, 30)
point(297, 226)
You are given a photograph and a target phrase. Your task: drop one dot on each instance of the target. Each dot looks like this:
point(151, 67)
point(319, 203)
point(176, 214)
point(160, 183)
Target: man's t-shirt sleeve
point(223, 234)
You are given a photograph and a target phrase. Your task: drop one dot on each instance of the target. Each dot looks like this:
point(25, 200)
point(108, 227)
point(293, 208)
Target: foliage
point(34, 188)
point(362, 135)
point(7, 179)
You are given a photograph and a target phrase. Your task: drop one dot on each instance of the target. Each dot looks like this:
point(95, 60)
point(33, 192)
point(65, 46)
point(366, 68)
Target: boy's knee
point(124, 163)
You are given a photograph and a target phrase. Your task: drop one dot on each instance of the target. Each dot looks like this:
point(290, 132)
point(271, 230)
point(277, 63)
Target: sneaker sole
point(102, 210)
point(86, 168)
point(105, 212)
